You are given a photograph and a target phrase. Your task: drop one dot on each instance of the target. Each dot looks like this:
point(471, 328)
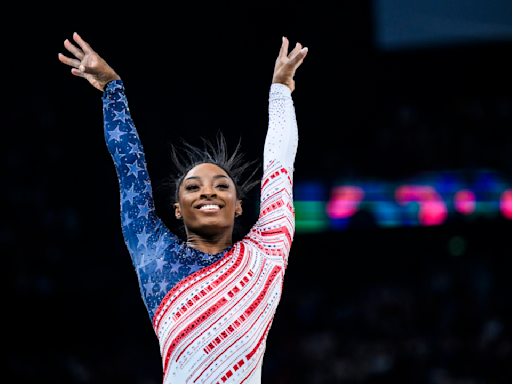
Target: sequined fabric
point(160, 258)
point(211, 313)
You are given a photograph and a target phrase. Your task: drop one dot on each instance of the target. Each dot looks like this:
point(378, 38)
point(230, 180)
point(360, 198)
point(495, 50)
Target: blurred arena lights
point(465, 201)
point(309, 207)
point(344, 201)
point(428, 199)
point(432, 209)
point(506, 203)
point(457, 246)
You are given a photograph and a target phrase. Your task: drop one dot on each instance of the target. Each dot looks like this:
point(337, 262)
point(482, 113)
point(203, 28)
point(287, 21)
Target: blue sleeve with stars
point(159, 257)
point(145, 234)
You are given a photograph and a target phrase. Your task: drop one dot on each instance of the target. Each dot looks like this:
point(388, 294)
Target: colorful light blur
point(432, 209)
point(309, 204)
point(465, 201)
point(344, 201)
point(426, 200)
point(506, 204)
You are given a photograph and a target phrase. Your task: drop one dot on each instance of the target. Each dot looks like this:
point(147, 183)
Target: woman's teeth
point(210, 207)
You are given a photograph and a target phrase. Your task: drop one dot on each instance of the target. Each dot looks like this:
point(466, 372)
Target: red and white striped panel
point(213, 325)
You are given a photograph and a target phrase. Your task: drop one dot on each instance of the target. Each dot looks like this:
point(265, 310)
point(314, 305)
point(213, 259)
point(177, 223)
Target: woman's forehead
point(205, 170)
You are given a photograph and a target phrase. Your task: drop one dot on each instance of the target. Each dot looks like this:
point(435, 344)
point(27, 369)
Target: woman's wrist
point(278, 82)
point(113, 77)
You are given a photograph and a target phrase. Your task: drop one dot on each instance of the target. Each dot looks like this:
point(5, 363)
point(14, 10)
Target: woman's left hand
point(286, 65)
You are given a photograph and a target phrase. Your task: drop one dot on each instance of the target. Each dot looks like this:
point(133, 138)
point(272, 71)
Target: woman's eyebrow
point(197, 177)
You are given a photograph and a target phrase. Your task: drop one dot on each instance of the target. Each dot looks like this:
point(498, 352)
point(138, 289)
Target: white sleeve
point(273, 232)
point(282, 137)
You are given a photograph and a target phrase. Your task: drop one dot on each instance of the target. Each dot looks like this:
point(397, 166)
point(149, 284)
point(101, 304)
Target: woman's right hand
point(89, 65)
point(286, 65)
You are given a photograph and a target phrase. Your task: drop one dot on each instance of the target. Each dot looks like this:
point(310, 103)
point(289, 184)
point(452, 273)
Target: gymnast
point(211, 301)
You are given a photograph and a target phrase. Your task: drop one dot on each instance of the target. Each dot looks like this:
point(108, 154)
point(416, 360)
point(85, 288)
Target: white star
point(148, 186)
point(134, 148)
point(144, 210)
point(120, 116)
point(115, 85)
point(149, 287)
point(123, 100)
point(143, 238)
point(118, 156)
point(116, 134)
point(130, 194)
point(176, 267)
point(107, 101)
point(160, 265)
point(163, 286)
point(134, 169)
point(134, 131)
point(127, 219)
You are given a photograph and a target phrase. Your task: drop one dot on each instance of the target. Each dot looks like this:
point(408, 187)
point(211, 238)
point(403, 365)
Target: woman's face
point(207, 200)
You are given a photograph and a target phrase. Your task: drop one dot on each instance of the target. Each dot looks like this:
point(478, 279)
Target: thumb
point(90, 70)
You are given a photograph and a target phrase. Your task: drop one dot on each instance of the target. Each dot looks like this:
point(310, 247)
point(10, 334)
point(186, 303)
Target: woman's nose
point(207, 191)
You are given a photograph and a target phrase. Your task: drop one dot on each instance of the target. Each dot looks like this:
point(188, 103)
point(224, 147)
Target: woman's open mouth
point(209, 208)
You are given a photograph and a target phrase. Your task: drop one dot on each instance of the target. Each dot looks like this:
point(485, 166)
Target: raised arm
point(274, 230)
point(281, 140)
point(145, 234)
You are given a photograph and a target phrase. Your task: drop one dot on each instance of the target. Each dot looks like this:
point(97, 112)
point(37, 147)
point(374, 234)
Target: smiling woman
point(211, 302)
point(212, 168)
point(208, 204)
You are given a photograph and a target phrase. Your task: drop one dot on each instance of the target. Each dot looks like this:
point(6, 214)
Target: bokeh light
point(344, 201)
point(456, 246)
point(426, 199)
point(506, 204)
point(465, 201)
point(432, 210)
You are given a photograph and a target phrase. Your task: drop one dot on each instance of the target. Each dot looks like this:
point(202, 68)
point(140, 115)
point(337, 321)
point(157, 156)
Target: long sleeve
point(145, 235)
point(282, 136)
point(274, 230)
point(213, 325)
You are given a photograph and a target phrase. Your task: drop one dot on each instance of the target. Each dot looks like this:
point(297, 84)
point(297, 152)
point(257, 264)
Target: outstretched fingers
point(299, 56)
point(85, 47)
point(71, 62)
point(295, 51)
point(284, 49)
point(74, 50)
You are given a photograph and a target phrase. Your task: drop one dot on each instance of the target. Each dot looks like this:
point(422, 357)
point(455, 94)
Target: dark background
point(365, 305)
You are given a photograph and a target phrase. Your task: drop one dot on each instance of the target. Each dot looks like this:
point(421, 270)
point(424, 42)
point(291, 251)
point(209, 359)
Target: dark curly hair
point(188, 156)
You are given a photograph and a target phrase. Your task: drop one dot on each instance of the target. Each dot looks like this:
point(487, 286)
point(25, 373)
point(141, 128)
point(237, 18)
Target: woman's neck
point(212, 245)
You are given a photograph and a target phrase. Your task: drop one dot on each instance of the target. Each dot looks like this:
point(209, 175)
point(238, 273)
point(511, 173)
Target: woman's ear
point(177, 211)
point(238, 208)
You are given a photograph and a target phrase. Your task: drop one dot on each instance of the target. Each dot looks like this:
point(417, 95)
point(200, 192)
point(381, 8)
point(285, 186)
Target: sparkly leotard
point(210, 312)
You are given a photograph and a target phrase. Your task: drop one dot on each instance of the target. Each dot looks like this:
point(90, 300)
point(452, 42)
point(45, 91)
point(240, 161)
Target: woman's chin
point(210, 226)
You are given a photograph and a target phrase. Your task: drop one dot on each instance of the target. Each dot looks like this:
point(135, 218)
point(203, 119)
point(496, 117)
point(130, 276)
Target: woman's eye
point(223, 186)
point(191, 187)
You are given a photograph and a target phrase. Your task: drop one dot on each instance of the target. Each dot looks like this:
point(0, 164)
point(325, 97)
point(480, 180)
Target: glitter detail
point(203, 305)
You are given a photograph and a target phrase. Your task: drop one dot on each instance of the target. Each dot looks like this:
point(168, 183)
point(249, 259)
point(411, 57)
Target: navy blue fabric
point(159, 257)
